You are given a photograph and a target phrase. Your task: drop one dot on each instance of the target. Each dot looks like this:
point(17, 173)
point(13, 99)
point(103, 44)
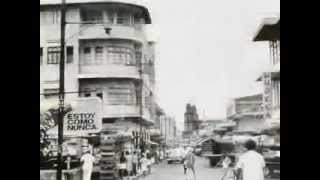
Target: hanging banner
point(267, 95)
point(85, 117)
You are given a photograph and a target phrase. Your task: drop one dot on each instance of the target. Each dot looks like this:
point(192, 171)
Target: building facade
point(168, 130)
point(247, 113)
point(108, 55)
point(191, 120)
point(269, 31)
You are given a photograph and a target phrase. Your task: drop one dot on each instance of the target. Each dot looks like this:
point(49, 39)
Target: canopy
point(153, 143)
point(48, 104)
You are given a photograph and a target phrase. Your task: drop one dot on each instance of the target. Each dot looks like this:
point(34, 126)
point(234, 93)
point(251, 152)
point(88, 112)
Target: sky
point(205, 54)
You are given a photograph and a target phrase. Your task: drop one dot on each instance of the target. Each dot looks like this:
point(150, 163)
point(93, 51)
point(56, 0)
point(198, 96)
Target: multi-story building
point(269, 31)
point(168, 129)
point(108, 55)
point(191, 120)
point(247, 113)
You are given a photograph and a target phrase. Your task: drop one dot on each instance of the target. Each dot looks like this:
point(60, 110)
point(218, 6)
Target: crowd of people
point(249, 165)
point(130, 164)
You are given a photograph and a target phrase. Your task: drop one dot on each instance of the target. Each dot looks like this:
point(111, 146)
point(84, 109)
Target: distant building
point(168, 129)
point(191, 120)
point(247, 113)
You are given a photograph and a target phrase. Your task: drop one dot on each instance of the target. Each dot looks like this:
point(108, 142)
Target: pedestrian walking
point(149, 163)
point(184, 154)
point(144, 163)
point(189, 163)
point(129, 163)
point(122, 165)
point(87, 164)
point(251, 164)
point(161, 155)
point(225, 162)
point(139, 162)
point(134, 163)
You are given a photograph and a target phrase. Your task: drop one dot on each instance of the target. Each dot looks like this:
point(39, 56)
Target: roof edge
point(138, 3)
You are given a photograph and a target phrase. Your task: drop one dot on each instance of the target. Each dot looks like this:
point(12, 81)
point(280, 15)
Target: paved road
point(164, 171)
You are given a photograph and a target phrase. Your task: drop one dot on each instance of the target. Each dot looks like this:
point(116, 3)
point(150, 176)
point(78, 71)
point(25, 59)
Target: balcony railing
point(98, 31)
point(108, 71)
point(122, 111)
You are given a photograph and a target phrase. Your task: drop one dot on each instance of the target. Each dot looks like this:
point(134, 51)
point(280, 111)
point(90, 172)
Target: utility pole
point(61, 90)
point(140, 105)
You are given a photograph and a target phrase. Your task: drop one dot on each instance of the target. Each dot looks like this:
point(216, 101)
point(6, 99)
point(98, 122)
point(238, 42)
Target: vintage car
point(272, 159)
point(175, 155)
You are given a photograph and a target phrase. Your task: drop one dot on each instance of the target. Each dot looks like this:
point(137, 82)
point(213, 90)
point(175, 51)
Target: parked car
point(175, 155)
point(272, 159)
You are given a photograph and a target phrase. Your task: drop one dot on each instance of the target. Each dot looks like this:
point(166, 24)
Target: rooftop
point(140, 3)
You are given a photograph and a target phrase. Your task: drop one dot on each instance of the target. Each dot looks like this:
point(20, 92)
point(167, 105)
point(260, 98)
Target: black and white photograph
point(160, 90)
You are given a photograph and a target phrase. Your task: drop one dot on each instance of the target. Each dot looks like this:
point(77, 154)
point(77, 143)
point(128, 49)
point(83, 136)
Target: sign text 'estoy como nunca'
point(85, 117)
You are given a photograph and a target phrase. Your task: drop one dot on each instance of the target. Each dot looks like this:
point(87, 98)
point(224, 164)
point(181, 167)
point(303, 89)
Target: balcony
point(97, 31)
point(108, 71)
point(274, 70)
point(122, 111)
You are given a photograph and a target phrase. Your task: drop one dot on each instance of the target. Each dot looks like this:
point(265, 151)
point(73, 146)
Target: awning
point(273, 69)
point(53, 133)
point(153, 143)
point(268, 30)
point(53, 103)
point(154, 132)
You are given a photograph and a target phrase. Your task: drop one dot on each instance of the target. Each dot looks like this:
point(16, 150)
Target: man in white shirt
point(87, 164)
point(251, 164)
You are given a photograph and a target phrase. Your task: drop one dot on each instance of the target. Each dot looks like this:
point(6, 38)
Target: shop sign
point(267, 95)
point(85, 117)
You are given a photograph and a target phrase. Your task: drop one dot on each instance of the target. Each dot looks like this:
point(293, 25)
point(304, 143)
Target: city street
point(164, 171)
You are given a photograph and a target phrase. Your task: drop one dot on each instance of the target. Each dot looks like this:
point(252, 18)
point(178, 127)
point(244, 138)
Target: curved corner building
point(106, 45)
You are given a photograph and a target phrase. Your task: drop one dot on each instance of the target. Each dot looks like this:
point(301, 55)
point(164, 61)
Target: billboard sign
point(85, 117)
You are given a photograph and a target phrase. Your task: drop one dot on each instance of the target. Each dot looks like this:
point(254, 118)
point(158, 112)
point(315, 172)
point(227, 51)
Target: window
point(120, 96)
point(98, 54)
point(92, 15)
point(138, 54)
point(87, 55)
point(120, 55)
point(87, 92)
point(110, 18)
point(51, 93)
point(41, 55)
point(136, 19)
point(69, 54)
point(99, 93)
point(123, 18)
point(56, 17)
point(53, 55)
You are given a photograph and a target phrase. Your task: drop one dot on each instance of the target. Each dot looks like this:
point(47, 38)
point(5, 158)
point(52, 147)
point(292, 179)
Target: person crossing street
point(251, 164)
point(189, 164)
point(87, 164)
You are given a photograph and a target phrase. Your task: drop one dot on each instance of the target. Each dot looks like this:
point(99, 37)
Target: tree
point(48, 120)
